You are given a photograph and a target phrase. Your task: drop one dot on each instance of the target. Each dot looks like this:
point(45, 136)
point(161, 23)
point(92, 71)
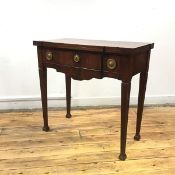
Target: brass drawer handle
point(76, 58)
point(49, 56)
point(111, 63)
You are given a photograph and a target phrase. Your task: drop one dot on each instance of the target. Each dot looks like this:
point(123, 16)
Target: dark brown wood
point(43, 87)
point(130, 59)
point(68, 95)
point(121, 47)
point(141, 98)
point(78, 73)
point(65, 57)
point(125, 96)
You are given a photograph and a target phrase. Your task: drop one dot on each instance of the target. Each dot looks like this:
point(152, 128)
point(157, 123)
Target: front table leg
point(68, 95)
point(141, 98)
point(125, 97)
point(43, 87)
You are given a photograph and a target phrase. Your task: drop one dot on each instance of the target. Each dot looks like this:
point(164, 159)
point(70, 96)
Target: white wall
point(21, 22)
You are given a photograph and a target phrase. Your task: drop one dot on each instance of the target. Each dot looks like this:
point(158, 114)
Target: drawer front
point(96, 65)
point(117, 66)
point(73, 58)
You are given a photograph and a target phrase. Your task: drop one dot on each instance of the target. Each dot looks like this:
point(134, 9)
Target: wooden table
point(86, 59)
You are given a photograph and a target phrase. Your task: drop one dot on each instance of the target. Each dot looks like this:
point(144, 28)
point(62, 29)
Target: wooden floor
point(87, 144)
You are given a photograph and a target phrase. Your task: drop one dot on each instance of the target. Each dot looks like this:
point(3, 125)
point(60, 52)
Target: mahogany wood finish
point(86, 59)
point(142, 89)
point(125, 96)
point(43, 87)
point(68, 95)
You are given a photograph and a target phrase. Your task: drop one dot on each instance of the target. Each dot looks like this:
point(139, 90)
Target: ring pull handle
point(76, 58)
point(49, 56)
point(111, 63)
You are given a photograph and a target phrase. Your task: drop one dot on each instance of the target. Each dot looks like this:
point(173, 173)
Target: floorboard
point(86, 144)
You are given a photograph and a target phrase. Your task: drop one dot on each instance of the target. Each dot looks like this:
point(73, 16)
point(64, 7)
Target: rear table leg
point(68, 95)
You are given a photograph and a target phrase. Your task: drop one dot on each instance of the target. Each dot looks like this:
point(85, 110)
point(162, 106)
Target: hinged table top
point(121, 47)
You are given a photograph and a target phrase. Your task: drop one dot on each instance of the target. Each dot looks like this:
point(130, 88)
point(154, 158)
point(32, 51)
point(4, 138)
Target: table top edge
point(96, 45)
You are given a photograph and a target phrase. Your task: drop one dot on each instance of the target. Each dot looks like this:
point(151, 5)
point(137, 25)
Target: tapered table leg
point(141, 98)
point(125, 97)
point(43, 87)
point(68, 95)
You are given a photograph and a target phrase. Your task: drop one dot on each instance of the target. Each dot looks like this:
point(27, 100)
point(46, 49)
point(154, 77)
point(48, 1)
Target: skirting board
point(35, 102)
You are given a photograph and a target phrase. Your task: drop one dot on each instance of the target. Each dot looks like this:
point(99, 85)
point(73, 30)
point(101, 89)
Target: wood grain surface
point(97, 45)
point(87, 144)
